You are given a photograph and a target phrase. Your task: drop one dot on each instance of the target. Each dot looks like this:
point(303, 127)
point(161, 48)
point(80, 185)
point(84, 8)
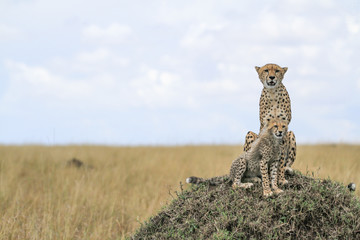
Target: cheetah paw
point(284, 182)
point(256, 180)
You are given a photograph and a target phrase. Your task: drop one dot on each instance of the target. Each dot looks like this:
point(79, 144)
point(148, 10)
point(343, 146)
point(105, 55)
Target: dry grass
point(43, 198)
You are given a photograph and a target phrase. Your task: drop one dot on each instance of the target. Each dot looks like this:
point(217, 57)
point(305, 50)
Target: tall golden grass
point(43, 198)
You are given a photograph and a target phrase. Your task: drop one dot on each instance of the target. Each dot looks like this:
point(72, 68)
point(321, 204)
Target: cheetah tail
point(195, 180)
point(211, 181)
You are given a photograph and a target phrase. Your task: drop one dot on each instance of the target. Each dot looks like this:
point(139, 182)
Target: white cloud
point(305, 70)
point(223, 86)
point(41, 85)
point(293, 28)
point(150, 88)
point(310, 51)
point(98, 61)
point(28, 82)
point(8, 33)
point(197, 59)
point(353, 24)
point(114, 33)
point(236, 78)
point(156, 88)
point(94, 57)
point(201, 35)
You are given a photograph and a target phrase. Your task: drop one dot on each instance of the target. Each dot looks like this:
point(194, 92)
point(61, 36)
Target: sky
point(174, 72)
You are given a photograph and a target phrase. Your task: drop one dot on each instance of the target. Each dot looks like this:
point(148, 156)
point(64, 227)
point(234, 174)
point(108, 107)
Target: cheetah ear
point(285, 69)
point(257, 69)
point(285, 121)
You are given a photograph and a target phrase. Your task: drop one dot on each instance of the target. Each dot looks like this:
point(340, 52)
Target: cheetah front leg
point(283, 157)
point(249, 139)
point(265, 177)
point(291, 152)
point(274, 177)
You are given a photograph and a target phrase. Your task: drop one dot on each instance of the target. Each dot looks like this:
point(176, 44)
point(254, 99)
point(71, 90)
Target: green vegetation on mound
point(308, 209)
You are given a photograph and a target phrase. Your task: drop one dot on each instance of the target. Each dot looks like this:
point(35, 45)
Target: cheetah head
point(271, 75)
point(278, 127)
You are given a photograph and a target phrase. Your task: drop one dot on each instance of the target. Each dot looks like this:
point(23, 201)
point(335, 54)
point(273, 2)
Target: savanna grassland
point(41, 197)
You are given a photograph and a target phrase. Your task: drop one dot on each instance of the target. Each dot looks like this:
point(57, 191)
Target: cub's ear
point(257, 69)
point(285, 69)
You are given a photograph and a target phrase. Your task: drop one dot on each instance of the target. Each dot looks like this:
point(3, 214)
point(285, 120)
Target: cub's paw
point(252, 180)
point(268, 194)
point(246, 185)
point(278, 191)
point(242, 185)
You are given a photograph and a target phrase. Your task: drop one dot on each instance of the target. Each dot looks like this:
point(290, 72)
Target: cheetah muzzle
point(271, 83)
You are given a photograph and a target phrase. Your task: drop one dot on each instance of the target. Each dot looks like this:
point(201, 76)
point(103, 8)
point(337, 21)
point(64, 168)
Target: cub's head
point(278, 127)
point(271, 75)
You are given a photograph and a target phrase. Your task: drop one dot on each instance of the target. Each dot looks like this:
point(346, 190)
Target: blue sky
point(174, 72)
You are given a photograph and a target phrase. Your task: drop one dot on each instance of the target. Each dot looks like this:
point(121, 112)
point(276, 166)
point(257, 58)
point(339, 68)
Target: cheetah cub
point(259, 162)
point(275, 103)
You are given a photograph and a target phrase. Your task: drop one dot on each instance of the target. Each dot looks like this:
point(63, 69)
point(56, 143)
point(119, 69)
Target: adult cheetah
point(275, 103)
point(262, 159)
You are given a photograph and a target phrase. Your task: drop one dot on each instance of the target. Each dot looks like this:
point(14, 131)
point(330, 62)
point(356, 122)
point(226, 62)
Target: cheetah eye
point(277, 71)
point(266, 70)
point(283, 126)
point(276, 126)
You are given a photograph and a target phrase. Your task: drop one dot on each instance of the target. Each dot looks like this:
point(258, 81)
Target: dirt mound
point(308, 209)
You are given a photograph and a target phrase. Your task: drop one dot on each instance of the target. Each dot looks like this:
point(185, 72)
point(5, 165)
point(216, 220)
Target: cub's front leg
point(265, 176)
point(274, 177)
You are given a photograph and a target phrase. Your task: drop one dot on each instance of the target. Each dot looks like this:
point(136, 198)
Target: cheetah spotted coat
point(275, 104)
